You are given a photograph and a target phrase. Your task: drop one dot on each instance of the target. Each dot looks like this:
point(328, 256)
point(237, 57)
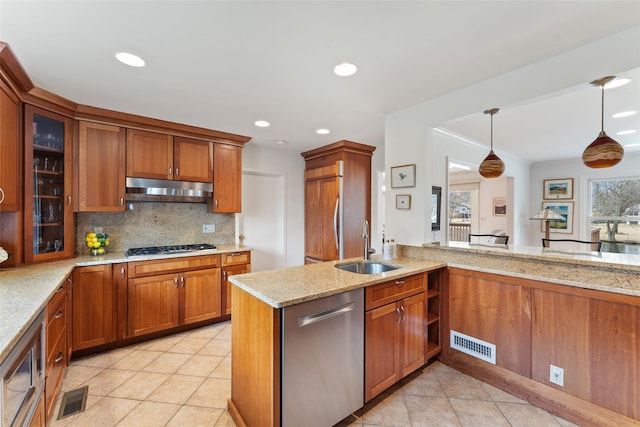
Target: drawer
point(172, 265)
point(54, 373)
point(393, 290)
point(235, 258)
point(56, 331)
point(56, 299)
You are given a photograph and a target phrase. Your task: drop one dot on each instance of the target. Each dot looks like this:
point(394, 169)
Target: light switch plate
point(556, 375)
point(208, 228)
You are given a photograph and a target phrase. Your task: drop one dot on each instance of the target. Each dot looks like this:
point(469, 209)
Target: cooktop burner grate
point(160, 250)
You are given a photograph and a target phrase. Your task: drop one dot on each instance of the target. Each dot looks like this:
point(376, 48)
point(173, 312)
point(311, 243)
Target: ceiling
point(225, 64)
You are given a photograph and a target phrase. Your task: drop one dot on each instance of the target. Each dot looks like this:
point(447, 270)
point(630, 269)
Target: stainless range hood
point(159, 190)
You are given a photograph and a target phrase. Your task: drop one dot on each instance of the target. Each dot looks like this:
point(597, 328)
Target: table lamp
point(545, 215)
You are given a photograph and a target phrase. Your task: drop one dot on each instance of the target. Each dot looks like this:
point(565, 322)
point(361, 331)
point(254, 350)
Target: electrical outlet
point(97, 230)
point(556, 375)
point(208, 228)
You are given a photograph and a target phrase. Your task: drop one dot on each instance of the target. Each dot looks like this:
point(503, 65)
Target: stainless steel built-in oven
point(22, 377)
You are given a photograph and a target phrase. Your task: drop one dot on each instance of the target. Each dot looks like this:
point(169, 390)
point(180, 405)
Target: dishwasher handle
point(324, 315)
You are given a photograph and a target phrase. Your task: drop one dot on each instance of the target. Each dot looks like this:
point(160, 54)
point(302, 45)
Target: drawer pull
point(399, 282)
point(59, 357)
point(61, 288)
point(59, 314)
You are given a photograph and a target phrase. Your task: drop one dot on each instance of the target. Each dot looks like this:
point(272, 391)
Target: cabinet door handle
point(121, 201)
point(59, 357)
point(399, 316)
point(175, 281)
point(182, 281)
point(61, 288)
point(69, 281)
point(177, 171)
point(403, 314)
point(2, 192)
point(68, 200)
point(170, 170)
point(122, 272)
point(215, 202)
point(399, 282)
point(224, 275)
point(59, 314)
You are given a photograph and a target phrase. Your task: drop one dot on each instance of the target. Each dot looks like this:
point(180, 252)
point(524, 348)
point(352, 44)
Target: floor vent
point(473, 347)
point(73, 401)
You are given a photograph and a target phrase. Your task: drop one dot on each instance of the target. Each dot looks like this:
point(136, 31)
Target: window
point(615, 214)
point(459, 215)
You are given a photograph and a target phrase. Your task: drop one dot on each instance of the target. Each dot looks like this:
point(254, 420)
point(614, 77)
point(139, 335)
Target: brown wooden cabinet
point(227, 179)
point(39, 417)
point(10, 147)
point(57, 315)
point(395, 332)
point(434, 284)
point(164, 294)
point(232, 263)
point(160, 156)
point(95, 305)
point(592, 335)
point(49, 226)
point(337, 191)
point(100, 169)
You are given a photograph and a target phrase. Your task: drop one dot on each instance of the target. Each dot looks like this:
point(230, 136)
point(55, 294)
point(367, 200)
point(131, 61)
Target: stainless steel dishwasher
point(323, 360)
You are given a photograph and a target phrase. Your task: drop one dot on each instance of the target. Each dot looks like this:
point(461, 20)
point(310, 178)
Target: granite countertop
point(25, 290)
point(617, 273)
point(289, 286)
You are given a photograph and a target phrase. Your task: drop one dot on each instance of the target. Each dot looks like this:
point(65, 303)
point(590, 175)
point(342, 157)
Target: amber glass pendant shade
point(604, 152)
point(492, 166)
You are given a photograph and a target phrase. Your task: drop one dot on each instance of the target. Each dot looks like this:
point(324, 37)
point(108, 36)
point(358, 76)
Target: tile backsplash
point(156, 224)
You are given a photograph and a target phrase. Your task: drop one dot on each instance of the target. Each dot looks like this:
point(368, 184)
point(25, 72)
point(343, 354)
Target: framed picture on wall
point(403, 201)
point(403, 176)
point(560, 226)
point(499, 206)
point(558, 189)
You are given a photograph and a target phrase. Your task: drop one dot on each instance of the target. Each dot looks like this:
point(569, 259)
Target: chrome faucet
point(365, 235)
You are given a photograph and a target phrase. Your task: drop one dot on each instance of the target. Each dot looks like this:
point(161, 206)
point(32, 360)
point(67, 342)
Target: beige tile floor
point(185, 380)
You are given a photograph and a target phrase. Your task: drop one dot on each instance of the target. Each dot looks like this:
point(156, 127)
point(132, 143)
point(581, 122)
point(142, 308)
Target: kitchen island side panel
point(255, 361)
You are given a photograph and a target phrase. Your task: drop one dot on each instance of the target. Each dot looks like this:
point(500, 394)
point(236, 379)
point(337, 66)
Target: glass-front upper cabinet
point(49, 228)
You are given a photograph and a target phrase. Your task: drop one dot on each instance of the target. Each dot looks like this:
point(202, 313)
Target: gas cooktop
point(160, 250)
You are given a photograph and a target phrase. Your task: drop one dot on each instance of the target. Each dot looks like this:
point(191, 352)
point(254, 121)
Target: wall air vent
point(473, 347)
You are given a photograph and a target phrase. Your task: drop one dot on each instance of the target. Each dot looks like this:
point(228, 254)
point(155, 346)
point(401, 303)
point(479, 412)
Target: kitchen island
point(531, 284)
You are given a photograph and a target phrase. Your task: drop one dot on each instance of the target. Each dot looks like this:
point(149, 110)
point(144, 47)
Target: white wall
point(574, 168)
point(291, 164)
point(409, 137)
point(514, 181)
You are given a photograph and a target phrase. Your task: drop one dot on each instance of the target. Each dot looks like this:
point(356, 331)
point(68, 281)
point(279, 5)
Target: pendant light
point(491, 166)
point(604, 152)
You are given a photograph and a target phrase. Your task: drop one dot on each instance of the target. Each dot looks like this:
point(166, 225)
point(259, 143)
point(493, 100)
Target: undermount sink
point(366, 267)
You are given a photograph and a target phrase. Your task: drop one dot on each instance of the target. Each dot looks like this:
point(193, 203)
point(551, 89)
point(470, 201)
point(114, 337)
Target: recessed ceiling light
point(130, 59)
point(345, 69)
point(281, 142)
point(617, 82)
point(323, 131)
point(637, 144)
point(626, 132)
point(623, 114)
point(262, 123)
